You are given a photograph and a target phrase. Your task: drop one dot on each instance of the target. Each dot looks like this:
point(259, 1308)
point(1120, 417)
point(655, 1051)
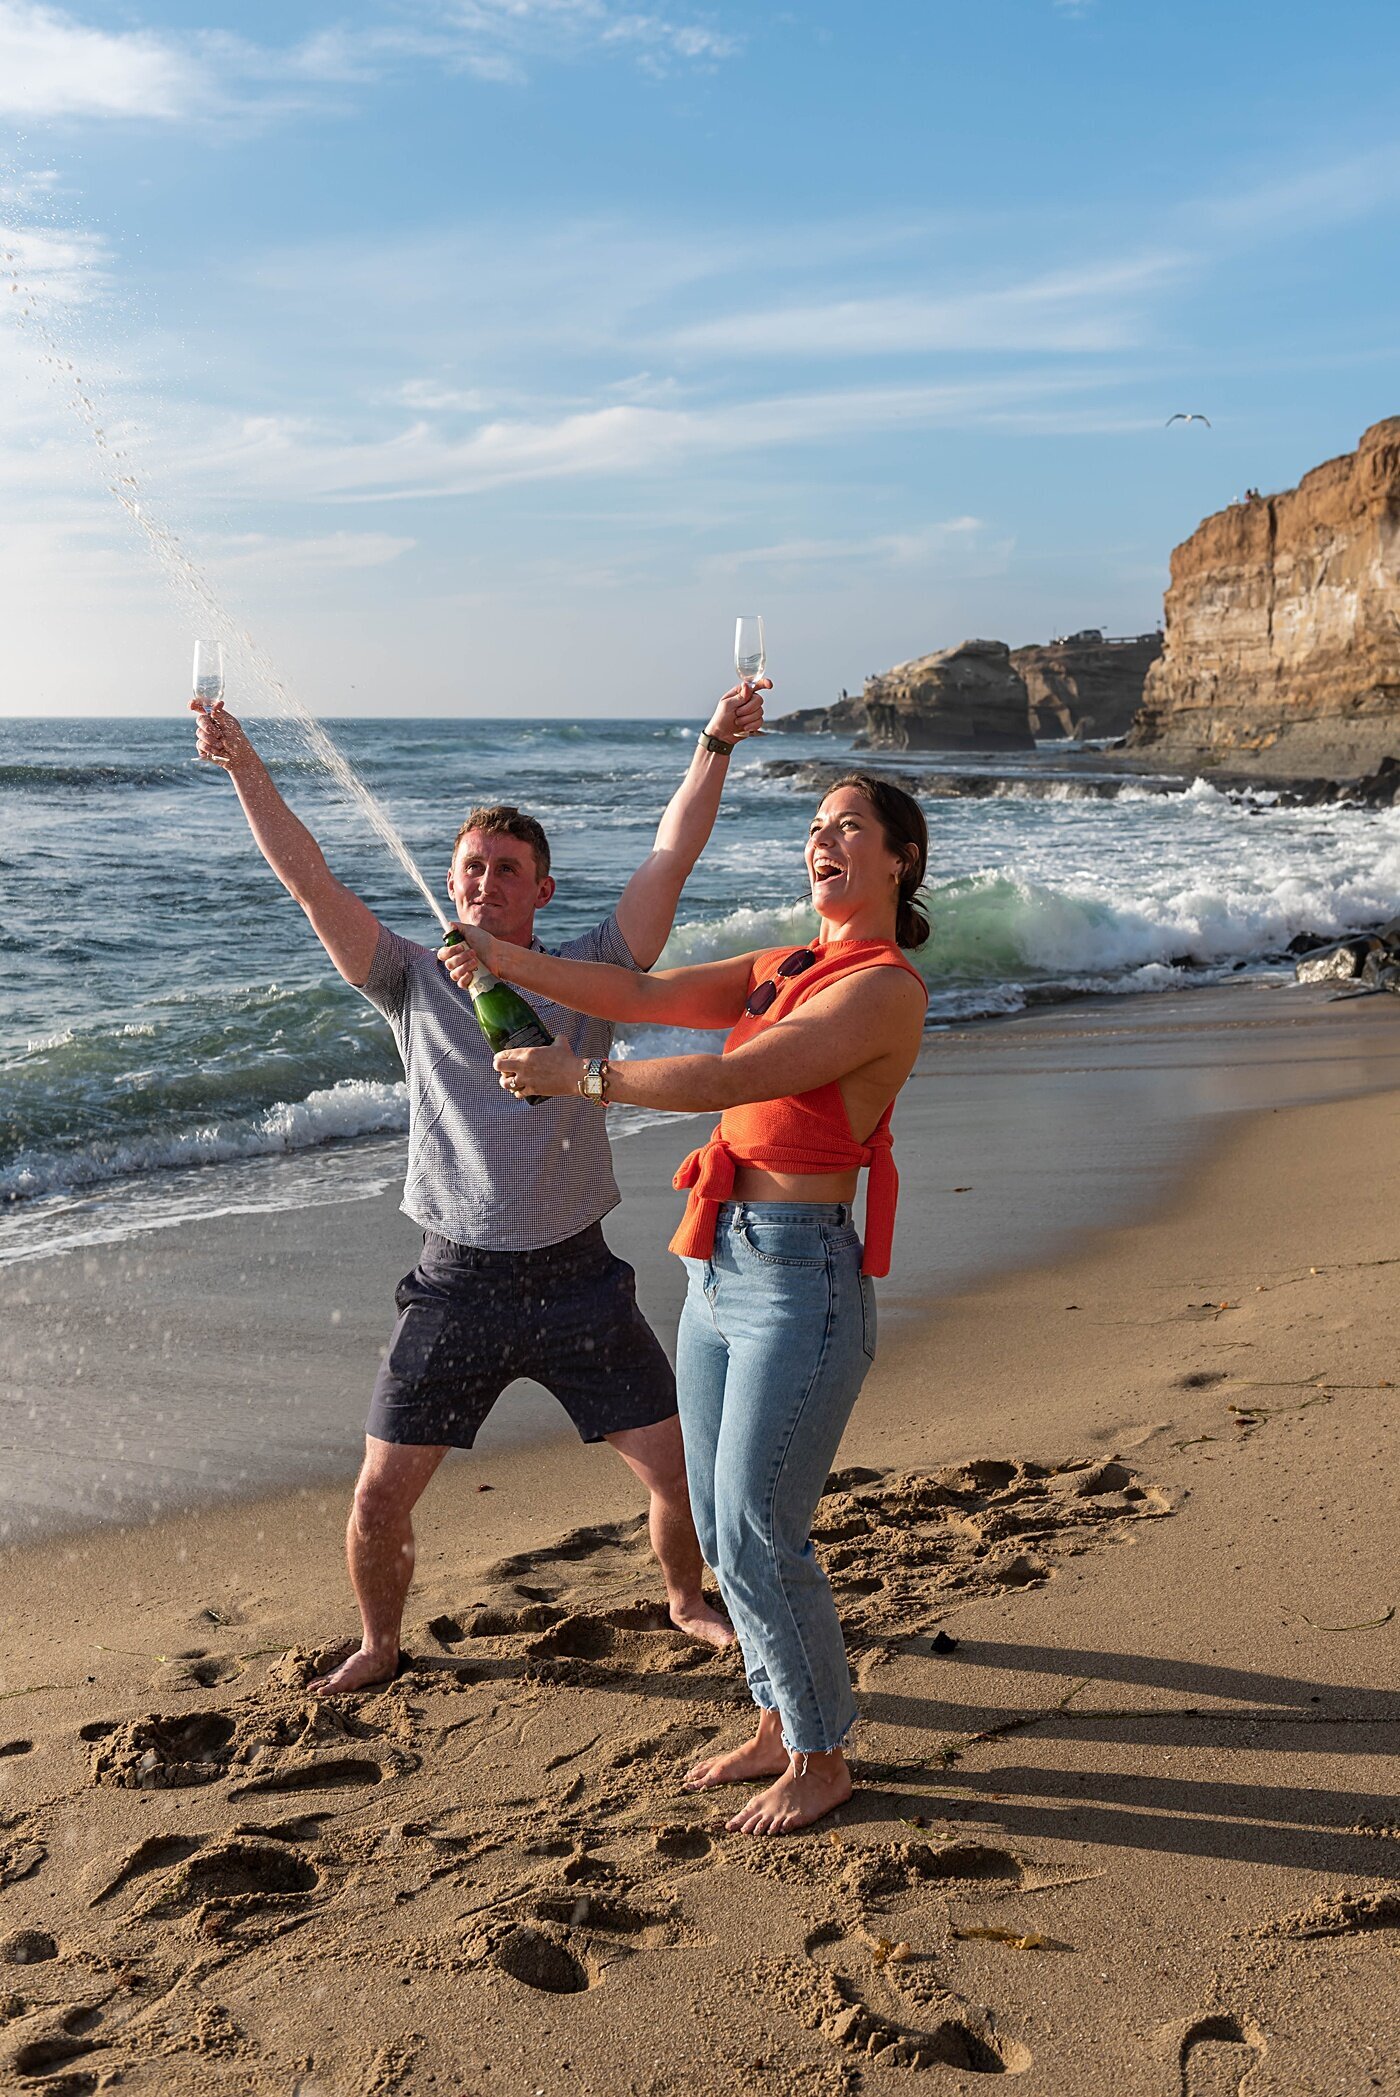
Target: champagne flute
point(208, 672)
point(750, 655)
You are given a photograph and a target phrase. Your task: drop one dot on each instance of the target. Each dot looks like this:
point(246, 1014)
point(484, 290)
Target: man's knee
point(656, 1454)
point(386, 1495)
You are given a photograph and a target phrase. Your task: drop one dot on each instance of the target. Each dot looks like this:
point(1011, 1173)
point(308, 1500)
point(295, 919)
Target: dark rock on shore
point(1371, 960)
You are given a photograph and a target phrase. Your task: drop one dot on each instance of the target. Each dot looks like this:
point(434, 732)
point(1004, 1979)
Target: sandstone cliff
point(966, 698)
point(1086, 685)
point(1283, 627)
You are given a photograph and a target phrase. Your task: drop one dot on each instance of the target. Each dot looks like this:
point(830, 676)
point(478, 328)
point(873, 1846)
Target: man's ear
point(546, 891)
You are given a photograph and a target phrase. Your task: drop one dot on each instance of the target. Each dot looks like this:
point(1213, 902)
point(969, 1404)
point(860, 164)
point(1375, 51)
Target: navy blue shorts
point(471, 1321)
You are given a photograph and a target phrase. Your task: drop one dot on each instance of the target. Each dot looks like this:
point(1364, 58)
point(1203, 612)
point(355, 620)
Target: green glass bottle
point(504, 1017)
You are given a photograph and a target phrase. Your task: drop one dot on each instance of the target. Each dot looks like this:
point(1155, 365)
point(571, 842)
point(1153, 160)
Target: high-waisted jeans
point(776, 1337)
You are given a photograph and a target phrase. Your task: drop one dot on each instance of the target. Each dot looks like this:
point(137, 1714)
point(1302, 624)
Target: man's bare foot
point(706, 1626)
point(763, 1756)
point(361, 1669)
point(810, 1786)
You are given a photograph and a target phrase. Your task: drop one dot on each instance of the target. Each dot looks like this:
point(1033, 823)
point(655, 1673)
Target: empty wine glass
point(208, 671)
point(749, 652)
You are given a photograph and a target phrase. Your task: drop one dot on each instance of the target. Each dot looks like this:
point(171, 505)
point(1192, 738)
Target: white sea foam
point(354, 1107)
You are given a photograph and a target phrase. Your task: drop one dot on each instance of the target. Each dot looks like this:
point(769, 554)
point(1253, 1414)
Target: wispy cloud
point(930, 546)
point(286, 458)
point(1083, 310)
point(333, 553)
point(54, 66)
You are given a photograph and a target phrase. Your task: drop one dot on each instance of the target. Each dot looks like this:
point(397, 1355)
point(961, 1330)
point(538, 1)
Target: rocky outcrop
point(1283, 627)
point(1086, 685)
point(966, 698)
point(846, 716)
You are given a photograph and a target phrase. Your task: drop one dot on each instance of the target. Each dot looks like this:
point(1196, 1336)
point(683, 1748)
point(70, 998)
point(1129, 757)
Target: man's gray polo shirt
point(485, 1169)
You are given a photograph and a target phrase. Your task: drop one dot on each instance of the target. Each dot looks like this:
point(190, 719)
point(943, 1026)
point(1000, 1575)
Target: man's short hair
point(505, 821)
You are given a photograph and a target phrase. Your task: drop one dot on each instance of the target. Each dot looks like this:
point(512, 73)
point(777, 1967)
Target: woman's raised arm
point(711, 994)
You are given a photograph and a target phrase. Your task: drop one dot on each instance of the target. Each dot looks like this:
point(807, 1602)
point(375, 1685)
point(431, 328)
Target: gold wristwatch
point(594, 1082)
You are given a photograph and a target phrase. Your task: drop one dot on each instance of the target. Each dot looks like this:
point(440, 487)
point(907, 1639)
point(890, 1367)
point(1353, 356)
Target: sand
point(1137, 1833)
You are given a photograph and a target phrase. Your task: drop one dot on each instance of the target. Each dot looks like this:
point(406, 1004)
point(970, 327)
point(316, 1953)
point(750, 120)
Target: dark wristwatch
point(715, 744)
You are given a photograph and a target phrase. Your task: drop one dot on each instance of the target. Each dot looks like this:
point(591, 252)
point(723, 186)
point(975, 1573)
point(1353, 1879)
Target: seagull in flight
point(1180, 417)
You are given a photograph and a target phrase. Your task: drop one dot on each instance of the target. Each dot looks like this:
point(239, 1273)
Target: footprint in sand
point(158, 1754)
point(233, 1871)
point(681, 1844)
point(196, 1670)
point(952, 2033)
point(156, 1853)
point(1217, 2053)
point(15, 1747)
point(27, 1947)
point(882, 1870)
point(330, 1773)
point(542, 1959)
point(893, 1543)
point(608, 1914)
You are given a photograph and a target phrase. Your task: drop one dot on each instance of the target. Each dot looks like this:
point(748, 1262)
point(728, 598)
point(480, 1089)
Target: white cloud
point(54, 66)
point(1082, 310)
point(286, 459)
point(335, 552)
point(956, 536)
point(431, 398)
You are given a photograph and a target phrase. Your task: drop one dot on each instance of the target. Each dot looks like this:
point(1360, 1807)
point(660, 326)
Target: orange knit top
point(805, 1132)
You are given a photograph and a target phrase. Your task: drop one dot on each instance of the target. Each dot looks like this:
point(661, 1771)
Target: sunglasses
point(763, 994)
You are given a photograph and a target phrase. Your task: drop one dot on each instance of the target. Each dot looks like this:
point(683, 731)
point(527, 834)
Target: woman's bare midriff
point(752, 1185)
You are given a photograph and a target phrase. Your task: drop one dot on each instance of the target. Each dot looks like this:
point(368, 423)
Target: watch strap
point(715, 744)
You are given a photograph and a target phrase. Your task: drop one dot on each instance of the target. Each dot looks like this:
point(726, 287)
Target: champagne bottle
point(504, 1017)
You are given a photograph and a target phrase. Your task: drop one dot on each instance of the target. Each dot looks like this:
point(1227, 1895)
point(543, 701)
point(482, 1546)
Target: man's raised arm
point(647, 909)
point(346, 927)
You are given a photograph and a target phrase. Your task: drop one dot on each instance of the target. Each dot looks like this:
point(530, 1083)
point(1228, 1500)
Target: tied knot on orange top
point(808, 1132)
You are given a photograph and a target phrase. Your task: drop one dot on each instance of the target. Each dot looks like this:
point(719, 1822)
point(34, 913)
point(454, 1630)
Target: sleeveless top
point(804, 1132)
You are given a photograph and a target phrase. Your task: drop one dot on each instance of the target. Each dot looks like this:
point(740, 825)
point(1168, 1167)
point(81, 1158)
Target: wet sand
point(1136, 1834)
point(232, 1358)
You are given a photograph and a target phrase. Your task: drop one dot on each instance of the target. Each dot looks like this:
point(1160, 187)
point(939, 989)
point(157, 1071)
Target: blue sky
point(489, 355)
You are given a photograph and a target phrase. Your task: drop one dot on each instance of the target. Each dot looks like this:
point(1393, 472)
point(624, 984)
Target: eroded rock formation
point(1086, 685)
point(1283, 627)
point(966, 698)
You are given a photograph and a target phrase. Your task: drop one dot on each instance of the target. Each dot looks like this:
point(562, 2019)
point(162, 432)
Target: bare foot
point(706, 1626)
point(810, 1786)
point(361, 1669)
point(763, 1756)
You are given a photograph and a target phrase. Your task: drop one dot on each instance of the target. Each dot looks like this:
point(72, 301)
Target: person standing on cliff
point(516, 1278)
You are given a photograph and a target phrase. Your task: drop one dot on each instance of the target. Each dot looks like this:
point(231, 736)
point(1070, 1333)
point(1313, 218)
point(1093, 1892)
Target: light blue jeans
point(776, 1336)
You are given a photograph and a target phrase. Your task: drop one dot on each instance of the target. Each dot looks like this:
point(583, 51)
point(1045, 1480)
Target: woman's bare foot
point(763, 1756)
point(362, 1668)
point(810, 1786)
point(693, 1615)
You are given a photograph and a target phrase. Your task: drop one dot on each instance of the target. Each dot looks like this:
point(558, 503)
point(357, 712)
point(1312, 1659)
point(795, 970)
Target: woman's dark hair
point(906, 833)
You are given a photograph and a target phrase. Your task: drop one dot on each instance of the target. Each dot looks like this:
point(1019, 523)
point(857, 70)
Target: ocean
point(174, 1044)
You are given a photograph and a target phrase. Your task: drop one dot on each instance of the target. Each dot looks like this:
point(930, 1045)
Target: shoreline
point(230, 1359)
point(1136, 1835)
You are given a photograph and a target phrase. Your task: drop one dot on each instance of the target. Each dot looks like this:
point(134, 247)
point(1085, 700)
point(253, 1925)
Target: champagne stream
point(193, 587)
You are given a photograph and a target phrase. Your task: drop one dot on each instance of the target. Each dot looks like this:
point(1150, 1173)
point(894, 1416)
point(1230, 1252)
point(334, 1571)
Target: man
point(516, 1278)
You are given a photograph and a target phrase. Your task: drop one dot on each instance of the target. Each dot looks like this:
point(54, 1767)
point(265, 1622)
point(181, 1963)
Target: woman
point(778, 1329)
